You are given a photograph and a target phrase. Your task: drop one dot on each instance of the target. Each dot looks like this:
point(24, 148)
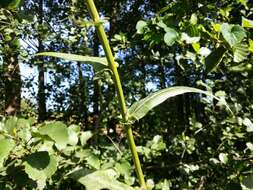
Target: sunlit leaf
point(58, 132)
point(85, 136)
point(214, 59)
point(246, 122)
point(223, 158)
point(73, 132)
point(233, 34)
point(170, 36)
point(140, 26)
point(139, 109)
point(247, 23)
point(251, 45)
point(188, 39)
point(101, 179)
point(6, 145)
point(241, 52)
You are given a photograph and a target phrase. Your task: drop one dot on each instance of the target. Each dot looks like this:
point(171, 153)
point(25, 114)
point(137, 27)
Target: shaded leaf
point(248, 182)
point(214, 59)
point(101, 179)
point(139, 109)
point(241, 67)
point(6, 145)
point(98, 62)
point(40, 166)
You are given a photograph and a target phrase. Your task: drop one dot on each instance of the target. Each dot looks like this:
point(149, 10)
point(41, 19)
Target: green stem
point(110, 58)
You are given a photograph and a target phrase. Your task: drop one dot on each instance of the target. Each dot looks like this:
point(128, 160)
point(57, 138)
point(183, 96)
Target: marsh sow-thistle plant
point(139, 109)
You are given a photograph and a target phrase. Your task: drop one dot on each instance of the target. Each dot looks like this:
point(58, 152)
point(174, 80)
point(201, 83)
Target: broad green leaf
point(58, 132)
point(10, 125)
point(93, 161)
point(223, 158)
point(233, 34)
point(188, 39)
point(73, 131)
point(139, 109)
point(246, 122)
point(194, 19)
point(6, 145)
point(166, 185)
point(97, 62)
point(248, 182)
point(243, 2)
point(101, 179)
point(216, 27)
point(124, 168)
point(247, 23)
point(241, 52)
point(85, 136)
point(170, 36)
point(214, 59)
point(140, 26)
point(40, 166)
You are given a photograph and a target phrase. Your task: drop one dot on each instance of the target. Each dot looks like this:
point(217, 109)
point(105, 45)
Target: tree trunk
point(41, 79)
point(11, 77)
point(97, 96)
point(83, 108)
point(12, 83)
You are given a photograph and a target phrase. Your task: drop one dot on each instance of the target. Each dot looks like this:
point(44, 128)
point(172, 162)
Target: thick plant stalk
point(110, 58)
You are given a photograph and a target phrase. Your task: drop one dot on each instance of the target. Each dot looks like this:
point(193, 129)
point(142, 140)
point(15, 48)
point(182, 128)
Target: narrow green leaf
point(6, 145)
point(214, 59)
point(251, 45)
point(247, 23)
point(95, 61)
point(139, 109)
point(101, 179)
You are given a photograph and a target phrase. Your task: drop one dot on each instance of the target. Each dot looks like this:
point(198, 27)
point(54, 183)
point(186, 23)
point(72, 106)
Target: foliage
point(188, 141)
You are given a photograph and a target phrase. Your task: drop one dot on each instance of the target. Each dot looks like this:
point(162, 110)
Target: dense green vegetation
point(143, 95)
